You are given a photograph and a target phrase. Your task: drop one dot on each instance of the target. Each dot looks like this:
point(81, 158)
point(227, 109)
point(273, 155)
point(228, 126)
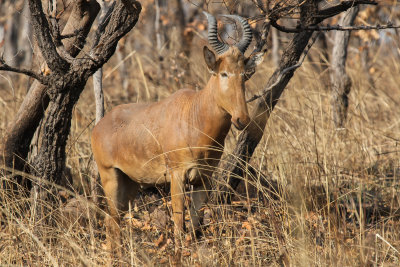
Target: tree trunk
point(340, 81)
point(183, 45)
point(19, 135)
point(22, 129)
point(99, 99)
point(50, 161)
point(235, 164)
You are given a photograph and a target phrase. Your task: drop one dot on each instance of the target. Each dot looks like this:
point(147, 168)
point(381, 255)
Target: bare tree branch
point(45, 41)
point(284, 71)
point(120, 23)
point(343, 6)
point(104, 19)
point(333, 28)
point(42, 79)
point(103, 22)
point(80, 15)
point(65, 92)
point(261, 45)
point(79, 24)
point(322, 15)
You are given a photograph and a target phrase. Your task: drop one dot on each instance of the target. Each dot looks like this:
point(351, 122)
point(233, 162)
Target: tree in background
point(340, 80)
point(311, 15)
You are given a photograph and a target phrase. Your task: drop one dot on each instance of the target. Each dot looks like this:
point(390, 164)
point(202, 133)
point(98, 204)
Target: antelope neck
point(206, 112)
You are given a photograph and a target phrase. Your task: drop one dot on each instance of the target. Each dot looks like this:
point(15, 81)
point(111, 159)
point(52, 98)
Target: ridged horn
point(247, 35)
point(217, 45)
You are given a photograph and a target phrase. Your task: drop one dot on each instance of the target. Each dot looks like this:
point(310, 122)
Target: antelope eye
point(224, 74)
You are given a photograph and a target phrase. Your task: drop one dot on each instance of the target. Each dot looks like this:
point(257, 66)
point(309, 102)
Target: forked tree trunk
point(66, 80)
point(19, 135)
point(20, 132)
point(340, 80)
point(50, 162)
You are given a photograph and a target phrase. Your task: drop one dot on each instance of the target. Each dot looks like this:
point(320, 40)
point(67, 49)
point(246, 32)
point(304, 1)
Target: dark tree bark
point(235, 164)
point(340, 80)
point(66, 80)
point(68, 86)
point(30, 113)
point(249, 139)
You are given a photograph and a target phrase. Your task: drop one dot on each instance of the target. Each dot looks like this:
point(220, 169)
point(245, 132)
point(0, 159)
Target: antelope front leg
point(178, 210)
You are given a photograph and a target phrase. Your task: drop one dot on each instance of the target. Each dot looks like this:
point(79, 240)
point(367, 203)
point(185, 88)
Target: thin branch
point(261, 38)
point(104, 19)
point(122, 19)
point(42, 79)
point(343, 6)
point(333, 28)
point(259, 4)
point(324, 14)
point(284, 71)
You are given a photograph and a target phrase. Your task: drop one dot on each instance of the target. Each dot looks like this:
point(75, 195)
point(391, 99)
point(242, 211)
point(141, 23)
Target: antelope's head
point(229, 68)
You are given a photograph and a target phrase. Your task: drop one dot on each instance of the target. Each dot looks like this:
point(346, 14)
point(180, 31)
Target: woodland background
point(321, 189)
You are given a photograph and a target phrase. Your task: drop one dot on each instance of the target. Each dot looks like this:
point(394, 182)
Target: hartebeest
point(179, 139)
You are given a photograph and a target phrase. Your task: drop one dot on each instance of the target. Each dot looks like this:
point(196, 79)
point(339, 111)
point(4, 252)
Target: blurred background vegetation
point(322, 195)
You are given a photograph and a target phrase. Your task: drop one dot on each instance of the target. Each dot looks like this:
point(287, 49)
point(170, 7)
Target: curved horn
point(247, 35)
point(217, 45)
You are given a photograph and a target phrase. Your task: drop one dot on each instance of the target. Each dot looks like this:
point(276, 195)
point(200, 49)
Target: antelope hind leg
point(119, 189)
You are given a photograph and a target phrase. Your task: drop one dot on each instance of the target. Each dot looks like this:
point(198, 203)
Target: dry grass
point(335, 194)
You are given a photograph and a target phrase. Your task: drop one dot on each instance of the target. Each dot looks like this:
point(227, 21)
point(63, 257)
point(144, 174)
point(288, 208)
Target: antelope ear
point(252, 62)
point(210, 59)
